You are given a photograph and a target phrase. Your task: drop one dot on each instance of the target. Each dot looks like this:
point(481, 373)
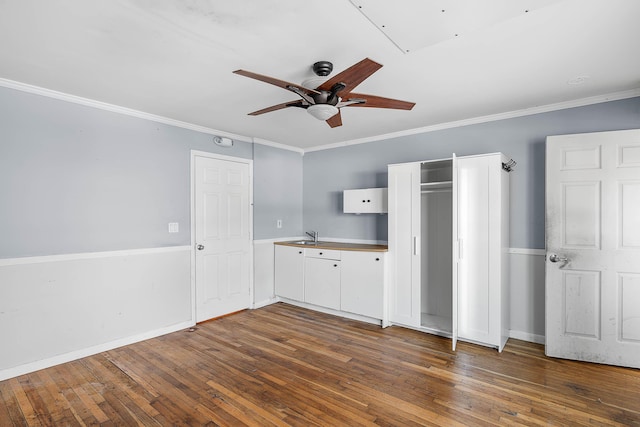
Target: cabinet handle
point(335, 265)
point(377, 259)
point(320, 253)
point(300, 252)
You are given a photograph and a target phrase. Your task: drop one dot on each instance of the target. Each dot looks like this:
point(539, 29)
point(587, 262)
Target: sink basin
point(306, 242)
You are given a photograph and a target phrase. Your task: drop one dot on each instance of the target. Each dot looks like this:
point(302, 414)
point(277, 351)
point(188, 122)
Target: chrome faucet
point(314, 235)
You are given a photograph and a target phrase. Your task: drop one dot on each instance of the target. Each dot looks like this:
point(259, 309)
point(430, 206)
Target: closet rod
point(436, 190)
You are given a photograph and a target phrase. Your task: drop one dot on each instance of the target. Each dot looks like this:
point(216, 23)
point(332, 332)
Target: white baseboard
point(345, 314)
point(526, 336)
point(265, 303)
point(79, 354)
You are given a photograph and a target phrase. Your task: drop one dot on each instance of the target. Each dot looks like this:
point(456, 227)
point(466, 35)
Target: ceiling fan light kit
point(324, 101)
point(322, 111)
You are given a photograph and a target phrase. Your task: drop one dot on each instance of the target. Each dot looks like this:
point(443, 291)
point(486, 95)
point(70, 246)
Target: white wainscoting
point(527, 294)
point(263, 270)
point(55, 309)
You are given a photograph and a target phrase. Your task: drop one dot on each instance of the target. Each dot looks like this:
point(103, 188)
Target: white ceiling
point(174, 58)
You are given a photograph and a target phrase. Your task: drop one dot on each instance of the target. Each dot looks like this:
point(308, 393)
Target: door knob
point(557, 258)
point(200, 247)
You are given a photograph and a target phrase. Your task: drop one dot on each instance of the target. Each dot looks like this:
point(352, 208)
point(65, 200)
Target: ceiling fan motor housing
point(322, 68)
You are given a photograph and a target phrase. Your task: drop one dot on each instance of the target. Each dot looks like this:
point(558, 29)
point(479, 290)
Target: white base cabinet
point(322, 280)
point(362, 290)
point(448, 247)
point(289, 272)
point(349, 281)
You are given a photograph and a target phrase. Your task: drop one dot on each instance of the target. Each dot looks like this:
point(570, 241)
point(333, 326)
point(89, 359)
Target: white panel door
point(404, 244)
point(222, 237)
point(593, 247)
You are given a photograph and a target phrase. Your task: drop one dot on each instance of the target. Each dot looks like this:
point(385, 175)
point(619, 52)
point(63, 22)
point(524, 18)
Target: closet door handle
point(416, 246)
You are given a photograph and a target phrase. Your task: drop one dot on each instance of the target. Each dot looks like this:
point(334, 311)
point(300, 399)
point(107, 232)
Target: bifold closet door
point(404, 243)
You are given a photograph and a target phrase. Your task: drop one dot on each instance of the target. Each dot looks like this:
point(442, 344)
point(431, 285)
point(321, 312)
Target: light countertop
point(339, 246)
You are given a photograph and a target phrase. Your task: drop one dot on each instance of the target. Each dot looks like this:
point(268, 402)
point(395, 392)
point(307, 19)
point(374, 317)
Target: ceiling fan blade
point(378, 102)
point(353, 75)
point(298, 103)
point(280, 83)
point(335, 121)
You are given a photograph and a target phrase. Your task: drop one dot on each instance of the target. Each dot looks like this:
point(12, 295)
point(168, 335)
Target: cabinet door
point(289, 272)
point(362, 283)
point(404, 244)
point(322, 282)
point(478, 229)
point(367, 200)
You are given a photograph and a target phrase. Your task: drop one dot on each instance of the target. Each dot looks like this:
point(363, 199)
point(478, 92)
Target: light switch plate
point(174, 227)
point(279, 223)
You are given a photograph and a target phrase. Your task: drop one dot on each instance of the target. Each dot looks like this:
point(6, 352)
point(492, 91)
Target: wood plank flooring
point(284, 365)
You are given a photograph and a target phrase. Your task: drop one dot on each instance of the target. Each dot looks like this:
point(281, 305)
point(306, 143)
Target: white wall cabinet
point(448, 241)
point(366, 200)
point(362, 290)
point(289, 272)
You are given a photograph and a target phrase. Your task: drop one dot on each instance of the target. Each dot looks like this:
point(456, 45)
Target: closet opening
point(436, 304)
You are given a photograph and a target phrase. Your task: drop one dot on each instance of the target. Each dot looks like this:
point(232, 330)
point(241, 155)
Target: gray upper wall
point(277, 193)
point(328, 172)
point(79, 179)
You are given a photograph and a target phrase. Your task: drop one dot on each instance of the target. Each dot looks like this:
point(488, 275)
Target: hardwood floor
point(284, 365)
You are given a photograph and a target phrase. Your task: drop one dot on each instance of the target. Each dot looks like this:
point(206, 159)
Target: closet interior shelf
point(436, 185)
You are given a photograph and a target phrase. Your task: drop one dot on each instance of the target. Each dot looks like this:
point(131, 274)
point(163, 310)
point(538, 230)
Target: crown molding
point(24, 87)
point(615, 96)
point(278, 145)
point(36, 90)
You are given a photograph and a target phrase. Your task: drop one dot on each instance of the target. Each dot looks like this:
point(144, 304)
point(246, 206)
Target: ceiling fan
point(324, 101)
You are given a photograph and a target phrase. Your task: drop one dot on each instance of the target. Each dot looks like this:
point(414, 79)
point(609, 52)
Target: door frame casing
point(192, 215)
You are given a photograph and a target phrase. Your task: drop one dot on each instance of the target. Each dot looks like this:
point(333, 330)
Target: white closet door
point(478, 190)
point(454, 255)
point(404, 243)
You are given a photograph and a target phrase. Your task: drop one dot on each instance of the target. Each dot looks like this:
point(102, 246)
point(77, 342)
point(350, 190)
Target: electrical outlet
point(174, 227)
point(279, 223)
